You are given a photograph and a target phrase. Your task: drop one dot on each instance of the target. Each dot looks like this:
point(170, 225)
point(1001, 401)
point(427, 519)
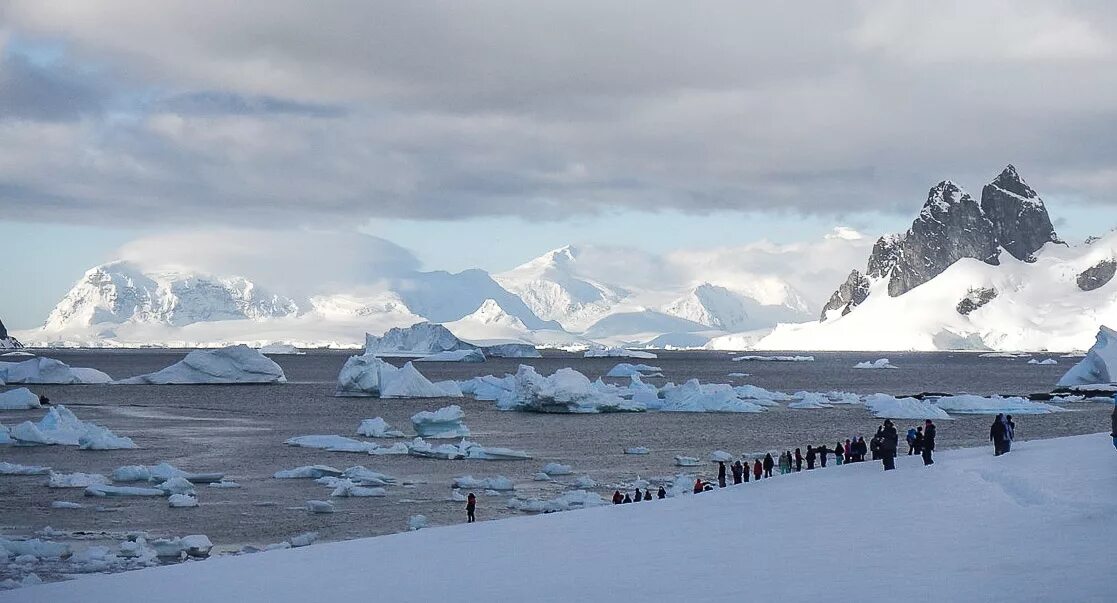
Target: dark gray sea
point(240, 430)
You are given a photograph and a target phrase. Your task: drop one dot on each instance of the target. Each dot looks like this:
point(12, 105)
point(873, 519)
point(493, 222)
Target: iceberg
point(567, 501)
point(75, 480)
point(625, 369)
point(177, 485)
point(617, 352)
point(566, 391)
point(687, 461)
point(466, 356)
point(1099, 366)
point(416, 522)
point(233, 364)
point(347, 488)
point(182, 501)
point(721, 456)
point(408, 382)
point(364, 476)
point(280, 349)
point(65, 504)
point(881, 363)
point(332, 443)
point(978, 405)
point(637, 450)
point(422, 339)
point(307, 472)
point(584, 482)
point(810, 400)
point(423, 449)
point(378, 428)
point(161, 473)
point(498, 483)
point(556, 469)
point(891, 407)
point(60, 426)
point(693, 396)
point(761, 396)
point(34, 547)
point(103, 490)
point(1044, 362)
point(443, 423)
point(363, 376)
point(511, 350)
point(19, 399)
point(49, 370)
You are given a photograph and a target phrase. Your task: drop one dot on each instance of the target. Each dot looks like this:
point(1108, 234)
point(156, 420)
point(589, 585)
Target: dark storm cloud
point(290, 112)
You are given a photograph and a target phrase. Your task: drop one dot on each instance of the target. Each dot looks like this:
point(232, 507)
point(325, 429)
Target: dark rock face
point(951, 226)
point(3, 330)
point(5, 340)
point(885, 255)
point(849, 294)
point(1097, 276)
point(1019, 218)
point(975, 298)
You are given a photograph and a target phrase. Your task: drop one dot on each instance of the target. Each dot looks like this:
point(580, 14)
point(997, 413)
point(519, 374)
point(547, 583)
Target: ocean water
point(240, 430)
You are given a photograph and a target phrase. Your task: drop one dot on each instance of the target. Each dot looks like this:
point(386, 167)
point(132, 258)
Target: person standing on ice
point(889, 442)
point(721, 474)
point(662, 494)
point(928, 442)
point(822, 452)
point(758, 469)
point(769, 464)
point(737, 470)
point(1010, 432)
point(698, 487)
point(636, 496)
point(911, 441)
point(849, 451)
point(470, 508)
point(647, 493)
point(810, 457)
point(997, 433)
point(798, 460)
point(839, 454)
point(919, 440)
point(617, 497)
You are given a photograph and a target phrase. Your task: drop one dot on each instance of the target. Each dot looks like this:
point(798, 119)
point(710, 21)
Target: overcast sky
point(484, 133)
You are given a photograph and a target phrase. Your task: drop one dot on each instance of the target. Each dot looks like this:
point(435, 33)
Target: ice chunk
point(367, 477)
point(96, 437)
point(721, 455)
point(65, 504)
point(489, 453)
point(556, 469)
point(416, 522)
point(637, 450)
point(693, 396)
point(450, 388)
point(408, 382)
point(278, 349)
point(566, 391)
point(617, 352)
point(224, 484)
point(498, 483)
point(572, 499)
point(809, 400)
point(75, 480)
point(625, 369)
point(421, 448)
point(511, 350)
point(421, 339)
point(19, 399)
point(177, 485)
point(345, 488)
point(233, 364)
point(319, 506)
point(363, 376)
point(304, 539)
point(378, 428)
point(761, 396)
point(886, 406)
point(161, 473)
point(1044, 362)
point(881, 363)
point(179, 501)
point(332, 443)
point(7, 468)
point(307, 472)
point(35, 548)
point(774, 359)
point(687, 461)
point(1099, 365)
point(60, 426)
point(467, 356)
point(584, 482)
point(48, 370)
point(443, 423)
point(197, 545)
point(978, 405)
point(397, 448)
point(538, 477)
point(102, 490)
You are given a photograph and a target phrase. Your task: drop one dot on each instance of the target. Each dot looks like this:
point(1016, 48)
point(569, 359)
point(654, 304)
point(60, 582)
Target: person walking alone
point(928, 442)
point(889, 442)
point(470, 508)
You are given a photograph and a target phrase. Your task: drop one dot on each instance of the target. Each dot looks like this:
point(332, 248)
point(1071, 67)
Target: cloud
point(242, 114)
point(297, 263)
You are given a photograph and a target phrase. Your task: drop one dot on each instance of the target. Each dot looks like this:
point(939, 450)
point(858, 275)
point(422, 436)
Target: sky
point(484, 133)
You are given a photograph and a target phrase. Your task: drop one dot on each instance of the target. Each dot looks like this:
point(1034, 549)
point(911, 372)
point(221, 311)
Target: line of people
point(620, 499)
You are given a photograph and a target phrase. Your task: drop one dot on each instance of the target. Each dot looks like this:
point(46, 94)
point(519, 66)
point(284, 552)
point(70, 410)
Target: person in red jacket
point(617, 498)
point(470, 508)
point(757, 469)
point(698, 486)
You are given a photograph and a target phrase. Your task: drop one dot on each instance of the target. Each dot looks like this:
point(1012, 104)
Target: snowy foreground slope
point(1034, 525)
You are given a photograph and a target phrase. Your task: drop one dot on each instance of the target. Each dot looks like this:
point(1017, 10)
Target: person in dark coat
point(862, 449)
point(919, 440)
point(798, 460)
point(627, 498)
point(737, 469)
point(647, 494)
point(1010, 432)
point(997, 433)
point(470, 508)
point(662, 494)
point(839, 454)
point(822, 452)
point(810, 457)
point(617, 497)
point(721, 474)
point(636, 496)
point(769, 464)
point(747, 469)
point(758, 469)
point(874, 443)
point(889, 442)
point(1113, 428)
point(928, 442)
point(43, 400)
point(849, 451)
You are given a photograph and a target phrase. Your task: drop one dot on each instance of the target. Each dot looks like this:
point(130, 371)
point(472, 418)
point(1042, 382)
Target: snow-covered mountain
point(969, 275)
point(7, 342)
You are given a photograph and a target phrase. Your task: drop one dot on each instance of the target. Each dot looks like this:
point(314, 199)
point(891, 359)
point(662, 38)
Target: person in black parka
point(721, 474)
point(822, 452)
point(810, 457)
point(928, 442)
point(997, 433)
point(889, 441)
point(769, 464)
point(737, 470)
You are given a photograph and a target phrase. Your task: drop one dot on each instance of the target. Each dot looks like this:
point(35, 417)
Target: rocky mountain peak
point(1019, 217)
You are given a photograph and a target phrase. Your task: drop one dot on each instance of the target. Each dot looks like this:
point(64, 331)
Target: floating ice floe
point(307, 472)
point(363, 376)
point(444, 423)
point(809, 400)
point(408, 382)
point(6, 436)
point(721, 456)
point(103, 490)
point(759, 395)
point(465, 356)
point(233, 364)
point(7, 468)
point(177, 485)
point(1004, 355)
point(538, 477)
point(637, 450)
point(75, 480)
point(978, 405)
point(1100, 364)
point(161, 473)
point(280, 349)
point(347, 488)
point(891, 407)
point(304, 539)
point(463, 450)
point(498, 483)
point(182, 501)
point(332, 443)
point(65, 504)
point(584, 482)
point(49, 370)
point(774, 359)
point(397, 448)
point(19, 399)
point(557, 469)
point(224, 484)
point(60, 426)
point(687, 461)
point(1044, 362)
point(319, 506)
point(34, 547)
point(566, 391)
point(625, 369)
point(738, 375)
point(881, 363)
point(567, 501)
point(617, 352)
point(416, 522)
point(367, 477)
point(196, 545)
point(693, 396)
point(378, 428)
